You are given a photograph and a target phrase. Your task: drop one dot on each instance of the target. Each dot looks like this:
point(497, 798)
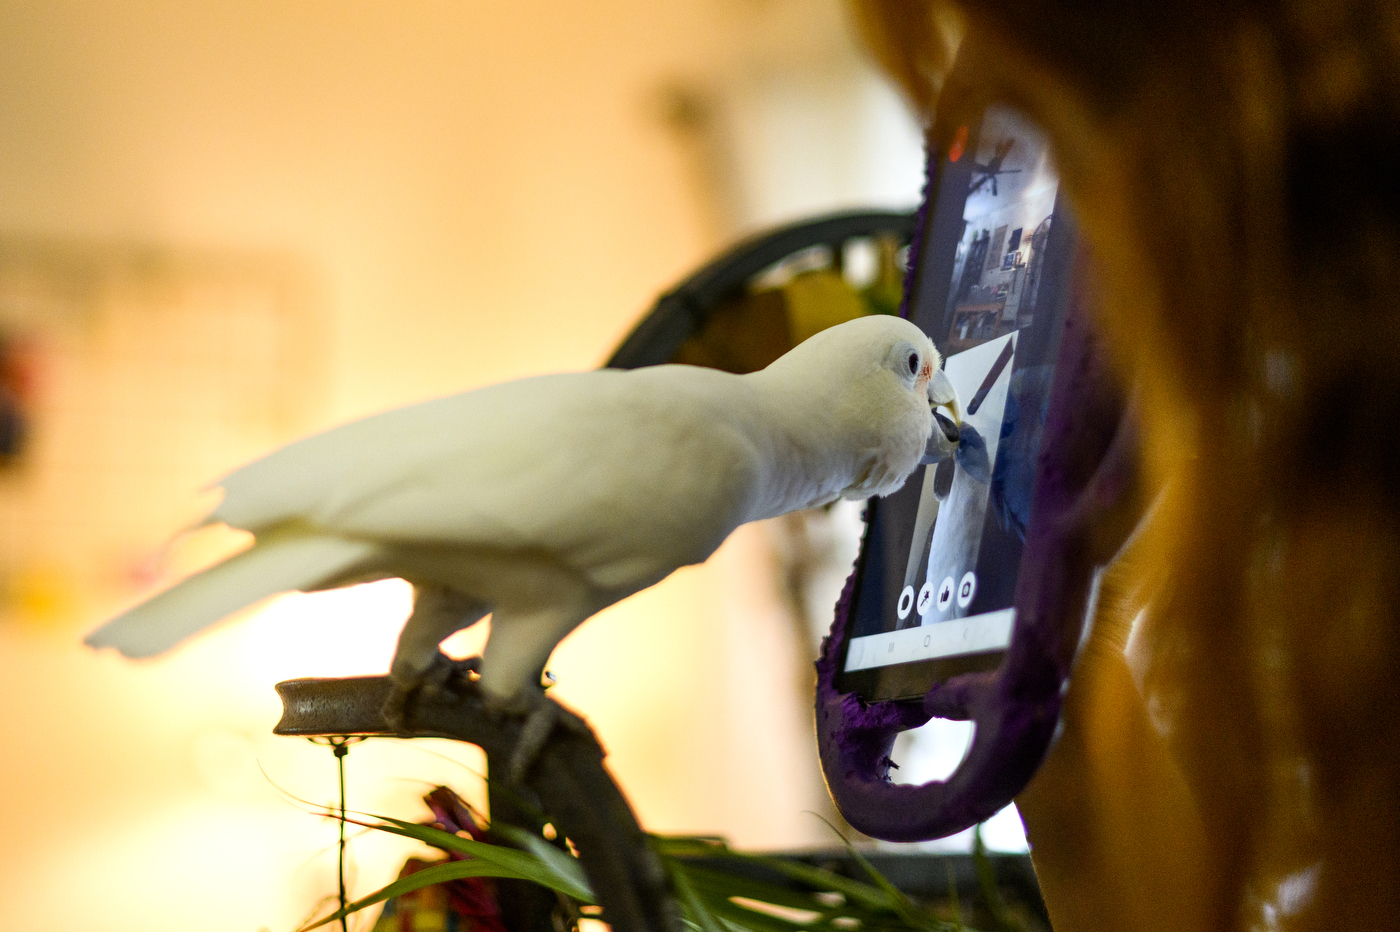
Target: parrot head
point(881, 384)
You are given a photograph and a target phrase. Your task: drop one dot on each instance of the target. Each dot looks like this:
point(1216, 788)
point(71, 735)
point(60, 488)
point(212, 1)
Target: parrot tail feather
point(277, 563)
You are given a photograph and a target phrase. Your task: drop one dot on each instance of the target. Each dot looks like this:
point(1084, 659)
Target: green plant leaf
point(900, 903)
point(874, 905)
point(855, 891)
point(753, 889)
point(680, 879)
point(523, 864)
point(567, 870)
point(706, 893)
point(953, 902)
point(690, 846)
point(438, 873)
point(1001, 914)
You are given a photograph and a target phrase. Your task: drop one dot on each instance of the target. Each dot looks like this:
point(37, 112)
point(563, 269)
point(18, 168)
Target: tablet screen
point(936, 579)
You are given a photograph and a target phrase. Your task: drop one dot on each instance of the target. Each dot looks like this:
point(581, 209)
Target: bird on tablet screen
point(544, 500)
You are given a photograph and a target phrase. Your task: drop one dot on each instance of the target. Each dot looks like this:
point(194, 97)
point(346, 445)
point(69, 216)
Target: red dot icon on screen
point(955, 151)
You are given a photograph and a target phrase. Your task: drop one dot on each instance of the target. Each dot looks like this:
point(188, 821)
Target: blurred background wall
point(225, 225)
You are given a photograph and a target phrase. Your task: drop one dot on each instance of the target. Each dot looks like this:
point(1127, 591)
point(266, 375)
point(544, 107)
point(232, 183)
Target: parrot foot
point(542, 715)
point(434, 681)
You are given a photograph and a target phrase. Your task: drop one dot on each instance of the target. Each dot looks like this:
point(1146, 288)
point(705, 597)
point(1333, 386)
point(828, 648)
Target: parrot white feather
point(544, 500)
point(279, 563)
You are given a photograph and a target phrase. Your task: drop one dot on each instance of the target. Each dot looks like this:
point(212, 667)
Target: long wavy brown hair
point(1231, 757)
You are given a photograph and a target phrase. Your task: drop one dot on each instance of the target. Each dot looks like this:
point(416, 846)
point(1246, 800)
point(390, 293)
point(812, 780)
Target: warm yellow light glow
point(458, 194)
point(343, 632)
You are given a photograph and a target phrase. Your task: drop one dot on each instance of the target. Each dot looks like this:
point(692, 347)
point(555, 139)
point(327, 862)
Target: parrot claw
point(434, 681)
point(541, 715)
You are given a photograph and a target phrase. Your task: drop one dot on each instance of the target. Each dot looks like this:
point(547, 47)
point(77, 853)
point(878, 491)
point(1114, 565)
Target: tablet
point(936, 581)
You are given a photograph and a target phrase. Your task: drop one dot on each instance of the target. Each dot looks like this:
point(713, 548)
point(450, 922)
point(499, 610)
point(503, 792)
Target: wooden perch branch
point(568, 777)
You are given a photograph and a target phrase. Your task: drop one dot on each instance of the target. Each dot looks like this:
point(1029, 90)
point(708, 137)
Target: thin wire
point(340, 746)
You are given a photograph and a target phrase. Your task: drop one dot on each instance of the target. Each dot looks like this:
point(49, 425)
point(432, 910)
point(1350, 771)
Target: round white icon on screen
point(967, 589)
point(925, 598)
point(906, 602)
point(945, 594)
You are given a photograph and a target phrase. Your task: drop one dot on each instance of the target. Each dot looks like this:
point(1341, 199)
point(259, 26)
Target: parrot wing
point(276, 563)
point(621, 475)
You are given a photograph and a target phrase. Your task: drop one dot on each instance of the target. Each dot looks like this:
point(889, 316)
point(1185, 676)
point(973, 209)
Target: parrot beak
point(946, 433)
point(942, 395)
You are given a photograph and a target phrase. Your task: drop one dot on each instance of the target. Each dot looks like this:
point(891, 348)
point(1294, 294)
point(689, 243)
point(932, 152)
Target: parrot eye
point(913, 363)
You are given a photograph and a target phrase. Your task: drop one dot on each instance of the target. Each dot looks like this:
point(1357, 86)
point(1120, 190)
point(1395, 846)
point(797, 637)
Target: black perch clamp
point(567, 777)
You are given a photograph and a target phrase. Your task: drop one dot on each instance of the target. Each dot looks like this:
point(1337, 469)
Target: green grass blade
point(898, 901)
point(716, 887)
point(953, 901)
point(704, 892)
point(566, 868)
point(901, 904)
point(1001, 914)
point(689, 898)
point(681, 846)
point(855, 891)
point(870, 903)
point(438, 873)
point(523, 864)
point(754, 889)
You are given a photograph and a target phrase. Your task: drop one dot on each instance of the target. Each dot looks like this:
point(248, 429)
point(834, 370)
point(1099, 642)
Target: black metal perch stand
point(568, 778)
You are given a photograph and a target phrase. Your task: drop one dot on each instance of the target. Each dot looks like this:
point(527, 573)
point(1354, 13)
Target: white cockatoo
point(544, 500)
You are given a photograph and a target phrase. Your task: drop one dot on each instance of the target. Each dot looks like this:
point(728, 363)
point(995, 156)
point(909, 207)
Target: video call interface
point(942, 555)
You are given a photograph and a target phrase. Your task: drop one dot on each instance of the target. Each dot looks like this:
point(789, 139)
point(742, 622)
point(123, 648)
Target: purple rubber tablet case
point(1070, 522)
